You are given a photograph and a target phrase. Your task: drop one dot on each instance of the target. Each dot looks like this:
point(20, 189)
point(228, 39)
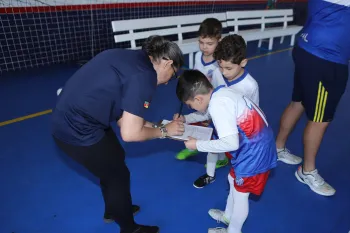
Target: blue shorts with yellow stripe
point(318, 84)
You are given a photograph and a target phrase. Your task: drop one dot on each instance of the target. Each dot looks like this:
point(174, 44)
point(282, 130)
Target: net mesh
point(41, 32)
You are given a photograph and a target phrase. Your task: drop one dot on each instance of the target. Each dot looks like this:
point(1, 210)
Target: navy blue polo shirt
point(114, 81)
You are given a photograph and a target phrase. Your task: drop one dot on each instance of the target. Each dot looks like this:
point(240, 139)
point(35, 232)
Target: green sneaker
point(185, 153)
point(220, 163)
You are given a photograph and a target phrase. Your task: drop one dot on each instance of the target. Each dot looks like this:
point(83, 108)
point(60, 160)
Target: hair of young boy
point(192, 83)
point(211, 28)
point(231, 48)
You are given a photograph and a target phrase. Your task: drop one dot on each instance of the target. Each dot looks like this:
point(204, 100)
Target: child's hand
point(178, 117)
point(191, 144)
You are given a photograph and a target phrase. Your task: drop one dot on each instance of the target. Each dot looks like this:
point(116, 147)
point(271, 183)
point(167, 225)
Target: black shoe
point(203, 181)
point(146, 229)
point(109, 219)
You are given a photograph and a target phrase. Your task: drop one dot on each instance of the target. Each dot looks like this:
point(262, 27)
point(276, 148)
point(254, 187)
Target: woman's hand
point(191, 144)
point(175, 128)
point(178, 117)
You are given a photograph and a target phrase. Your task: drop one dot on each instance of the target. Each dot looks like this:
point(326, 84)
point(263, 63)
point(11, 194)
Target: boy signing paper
point(242, 130)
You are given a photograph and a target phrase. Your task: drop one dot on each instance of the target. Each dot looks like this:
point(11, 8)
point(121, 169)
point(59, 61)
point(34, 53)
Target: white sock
point(229, 202)
point(221, 156)
point(212, 158)
point(239, 212)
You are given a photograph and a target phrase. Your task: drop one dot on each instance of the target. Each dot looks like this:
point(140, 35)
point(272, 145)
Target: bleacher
point(254, 25)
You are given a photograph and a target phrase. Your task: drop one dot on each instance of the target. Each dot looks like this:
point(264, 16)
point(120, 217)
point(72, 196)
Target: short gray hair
point(160, 48)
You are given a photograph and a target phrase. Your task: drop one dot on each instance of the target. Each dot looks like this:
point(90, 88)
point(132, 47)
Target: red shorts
point(228, 155)
point(253, 184)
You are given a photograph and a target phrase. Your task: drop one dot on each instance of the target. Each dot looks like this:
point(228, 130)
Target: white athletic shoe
point(315, 182)
point(285, 156)
point(217, 230)
point(218, 215)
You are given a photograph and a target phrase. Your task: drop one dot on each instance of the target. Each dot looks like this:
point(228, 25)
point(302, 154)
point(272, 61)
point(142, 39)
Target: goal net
point(42, 32)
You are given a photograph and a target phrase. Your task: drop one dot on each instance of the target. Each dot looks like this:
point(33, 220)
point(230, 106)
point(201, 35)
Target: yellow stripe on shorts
point(320, 103)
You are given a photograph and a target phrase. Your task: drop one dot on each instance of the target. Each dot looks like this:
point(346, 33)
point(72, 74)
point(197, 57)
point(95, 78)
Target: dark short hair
point(231, 48)
point(160, 48)
point(210, 27)
point(192, 83)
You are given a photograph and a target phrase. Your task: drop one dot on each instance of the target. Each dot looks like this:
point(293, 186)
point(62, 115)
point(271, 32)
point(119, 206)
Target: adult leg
point(290, 117)
point(291, 114)
point(325, 89)
point(107, 217)
point(313, 135)
point(105, 160)
point(116, 192)
point(307, 173)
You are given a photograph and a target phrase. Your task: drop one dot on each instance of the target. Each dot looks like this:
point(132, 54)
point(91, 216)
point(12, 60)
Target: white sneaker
point(285, 156)
point(218, 215)
point(315, 182)
point(217, 230)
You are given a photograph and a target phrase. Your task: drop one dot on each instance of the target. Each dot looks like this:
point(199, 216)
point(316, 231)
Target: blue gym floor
point(43, 191)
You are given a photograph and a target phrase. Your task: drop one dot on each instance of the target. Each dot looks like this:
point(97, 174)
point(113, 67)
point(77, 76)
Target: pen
point(180, 109)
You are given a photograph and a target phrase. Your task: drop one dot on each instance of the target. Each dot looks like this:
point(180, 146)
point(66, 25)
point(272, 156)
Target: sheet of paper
point(198, 132)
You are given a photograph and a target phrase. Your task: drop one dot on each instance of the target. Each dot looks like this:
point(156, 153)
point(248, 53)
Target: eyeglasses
point(175, 76)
